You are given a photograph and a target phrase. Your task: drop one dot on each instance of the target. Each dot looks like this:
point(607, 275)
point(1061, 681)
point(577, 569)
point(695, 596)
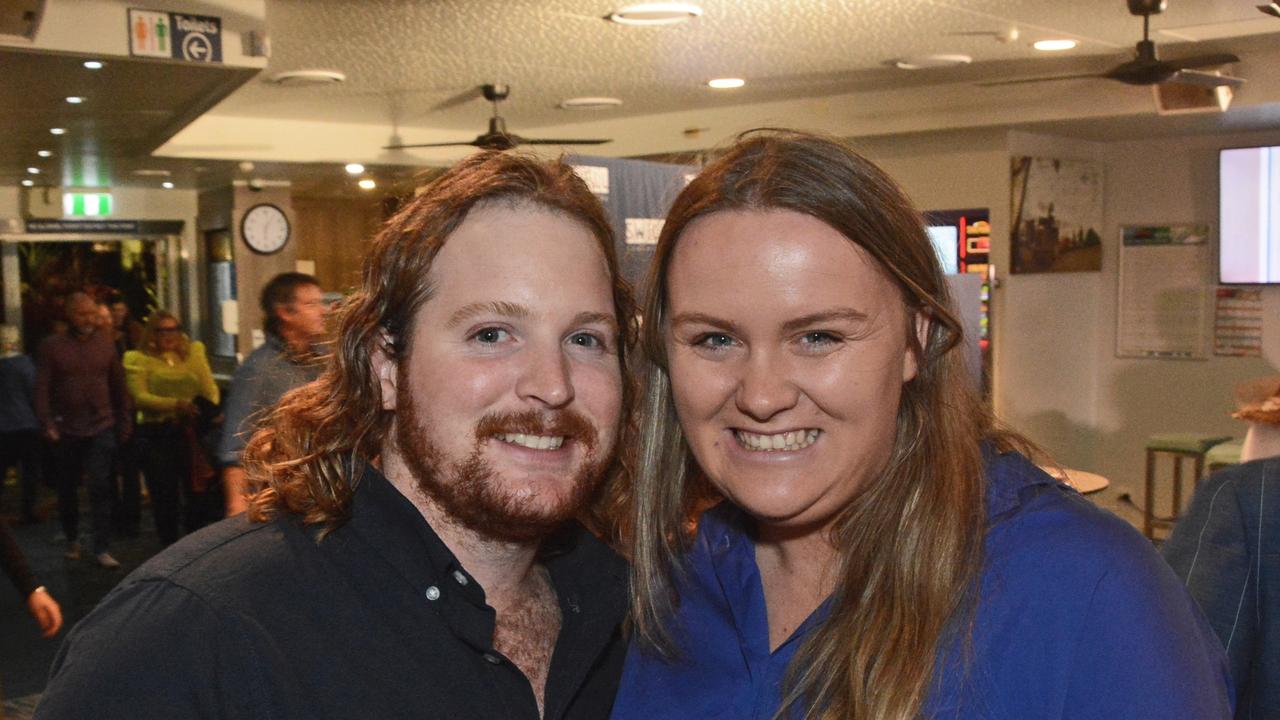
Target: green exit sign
point(86, 204)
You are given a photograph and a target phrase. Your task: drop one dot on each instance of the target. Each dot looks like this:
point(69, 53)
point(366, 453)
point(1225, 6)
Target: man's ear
point(911, 360)
point(385, 368)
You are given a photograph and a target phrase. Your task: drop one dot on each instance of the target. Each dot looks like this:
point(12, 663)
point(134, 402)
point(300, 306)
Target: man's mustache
point(567, 423)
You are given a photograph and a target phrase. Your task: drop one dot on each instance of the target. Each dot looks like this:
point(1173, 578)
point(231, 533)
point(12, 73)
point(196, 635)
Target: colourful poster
point(1237, 322)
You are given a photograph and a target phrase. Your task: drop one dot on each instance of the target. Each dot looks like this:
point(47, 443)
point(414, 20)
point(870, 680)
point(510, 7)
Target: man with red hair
point(417, 550)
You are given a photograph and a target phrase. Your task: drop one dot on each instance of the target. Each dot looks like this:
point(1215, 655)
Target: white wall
point(1056, 375)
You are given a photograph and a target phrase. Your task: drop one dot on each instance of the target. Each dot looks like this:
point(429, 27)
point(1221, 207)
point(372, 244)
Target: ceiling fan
point(497, 138)
point(1146, 68)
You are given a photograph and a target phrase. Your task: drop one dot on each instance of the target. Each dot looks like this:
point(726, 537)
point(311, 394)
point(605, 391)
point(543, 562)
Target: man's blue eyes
point(491, 335)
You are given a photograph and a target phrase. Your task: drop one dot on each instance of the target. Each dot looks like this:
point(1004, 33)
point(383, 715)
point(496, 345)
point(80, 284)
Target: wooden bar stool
point(1224, 454)
point(1180, 446)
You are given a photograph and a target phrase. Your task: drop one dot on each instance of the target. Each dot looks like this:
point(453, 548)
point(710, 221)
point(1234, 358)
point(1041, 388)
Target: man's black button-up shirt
point(377, 620)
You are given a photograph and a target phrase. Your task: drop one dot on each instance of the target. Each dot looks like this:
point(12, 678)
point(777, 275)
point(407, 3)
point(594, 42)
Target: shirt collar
point(580, 566)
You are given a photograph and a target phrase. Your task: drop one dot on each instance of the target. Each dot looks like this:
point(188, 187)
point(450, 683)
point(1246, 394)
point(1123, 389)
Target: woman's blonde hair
point(909, 545)
point(149, 344)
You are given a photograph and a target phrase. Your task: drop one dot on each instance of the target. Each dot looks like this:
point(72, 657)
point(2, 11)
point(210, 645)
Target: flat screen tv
point(1249, 216)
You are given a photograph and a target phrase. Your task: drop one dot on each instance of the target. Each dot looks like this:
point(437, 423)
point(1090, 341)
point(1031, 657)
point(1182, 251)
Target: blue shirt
point(258, 384)
point(1077, 617)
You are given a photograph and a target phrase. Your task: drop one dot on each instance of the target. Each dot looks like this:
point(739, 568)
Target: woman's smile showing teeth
point(534, 442)
point(777, 442)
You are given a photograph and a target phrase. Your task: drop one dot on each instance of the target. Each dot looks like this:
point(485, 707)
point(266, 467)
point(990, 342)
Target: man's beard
point(472, 494)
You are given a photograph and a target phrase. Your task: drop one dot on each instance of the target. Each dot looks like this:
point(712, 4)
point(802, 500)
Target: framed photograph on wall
point(1056, 213)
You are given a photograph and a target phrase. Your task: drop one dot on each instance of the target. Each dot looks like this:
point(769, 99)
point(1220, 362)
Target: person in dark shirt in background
point(417, 552)
point(19, 429)
point(43, 608)
point(82, 406)
point(126, 486)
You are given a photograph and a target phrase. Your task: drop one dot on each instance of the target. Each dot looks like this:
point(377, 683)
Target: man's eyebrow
point(833, 315)
point(503, 308)
point(697, 318)
point(592, 318)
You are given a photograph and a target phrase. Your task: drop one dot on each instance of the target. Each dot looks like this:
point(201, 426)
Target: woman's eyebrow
point(826, 316)
point(697, 318)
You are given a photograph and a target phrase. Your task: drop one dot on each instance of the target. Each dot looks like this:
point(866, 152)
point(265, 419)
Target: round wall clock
point(265, 228)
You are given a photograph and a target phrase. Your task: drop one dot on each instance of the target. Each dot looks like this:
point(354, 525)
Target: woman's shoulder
point(1047, 528)
point(195, 349)
point(135, 358)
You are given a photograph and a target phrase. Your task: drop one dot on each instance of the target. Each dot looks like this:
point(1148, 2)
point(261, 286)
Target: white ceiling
point(413, 65)
point(410, 66)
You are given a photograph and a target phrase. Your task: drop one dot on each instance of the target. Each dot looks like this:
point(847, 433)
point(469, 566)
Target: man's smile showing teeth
point(535, 442)
point(778, 442)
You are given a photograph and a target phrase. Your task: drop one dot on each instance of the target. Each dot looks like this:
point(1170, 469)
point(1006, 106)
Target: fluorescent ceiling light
point(588, 103)
point(33, 170)
point(75, 99)
point(658, 13)
point(93, 64)
point(58, 131)
point(45, 153)
point(726, 83)
point(354, 168)
point(926, 62)
point(367, 184)
point(1054, 45)
point(166, 185)
point(295, 78)
point(28, 183)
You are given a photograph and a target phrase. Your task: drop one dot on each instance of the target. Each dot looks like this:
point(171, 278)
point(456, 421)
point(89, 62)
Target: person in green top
point(165, 375)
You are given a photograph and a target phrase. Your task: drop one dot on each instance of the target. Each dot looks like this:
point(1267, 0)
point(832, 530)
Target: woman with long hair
point(875, 546)
point(165, 375)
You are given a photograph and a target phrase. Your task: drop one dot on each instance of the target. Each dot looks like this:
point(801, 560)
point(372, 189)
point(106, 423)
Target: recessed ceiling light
point(657, 13)
point(93, 64)
point(726, 83)
point(354, 168)
point(1054, 45)
point(58, 131)
point(589, 103)
point(166, 185)
point(28, 183)
point(367, 184)
point(925, 62)
point(45, 153)
point(297, 78)
point(75, 99)
point(33, 170)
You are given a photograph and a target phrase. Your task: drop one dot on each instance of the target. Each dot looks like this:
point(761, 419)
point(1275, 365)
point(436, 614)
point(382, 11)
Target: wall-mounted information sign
point(194, 38)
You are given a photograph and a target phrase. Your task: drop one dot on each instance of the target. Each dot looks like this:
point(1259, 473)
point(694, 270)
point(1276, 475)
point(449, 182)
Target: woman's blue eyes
point(714, 340)
point(809, 340)
point(818, 337)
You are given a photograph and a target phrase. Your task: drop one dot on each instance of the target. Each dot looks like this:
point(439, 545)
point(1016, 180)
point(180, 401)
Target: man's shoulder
point(232, 563)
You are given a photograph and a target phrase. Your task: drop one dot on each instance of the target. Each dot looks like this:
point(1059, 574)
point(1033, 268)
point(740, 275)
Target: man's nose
point(545, 377)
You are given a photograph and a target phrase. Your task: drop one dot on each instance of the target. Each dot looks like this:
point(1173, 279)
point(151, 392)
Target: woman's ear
point(915, 351)
point(385, 366)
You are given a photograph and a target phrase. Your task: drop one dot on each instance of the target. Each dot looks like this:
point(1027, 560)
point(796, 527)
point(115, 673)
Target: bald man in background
point(82, 407)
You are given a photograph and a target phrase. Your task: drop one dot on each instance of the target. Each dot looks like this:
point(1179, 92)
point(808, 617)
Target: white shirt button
point(460, 577)
point(433, 593)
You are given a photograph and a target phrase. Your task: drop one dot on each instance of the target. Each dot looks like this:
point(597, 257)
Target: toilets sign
point(194, 38)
